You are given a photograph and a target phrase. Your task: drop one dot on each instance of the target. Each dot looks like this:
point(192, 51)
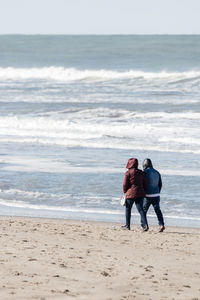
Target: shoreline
point(135, 224)
point(117, 217)
point(44, 258)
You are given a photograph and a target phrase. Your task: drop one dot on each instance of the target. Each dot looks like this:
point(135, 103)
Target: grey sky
point(100, 16)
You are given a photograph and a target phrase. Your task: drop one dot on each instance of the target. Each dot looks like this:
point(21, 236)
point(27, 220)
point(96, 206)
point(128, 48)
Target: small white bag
point(123, 200)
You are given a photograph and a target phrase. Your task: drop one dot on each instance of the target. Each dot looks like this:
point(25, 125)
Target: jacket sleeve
point(126, 183)
point(145, 181)
point(160, 183)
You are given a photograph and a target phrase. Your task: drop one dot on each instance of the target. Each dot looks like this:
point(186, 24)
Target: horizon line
point(103, 34)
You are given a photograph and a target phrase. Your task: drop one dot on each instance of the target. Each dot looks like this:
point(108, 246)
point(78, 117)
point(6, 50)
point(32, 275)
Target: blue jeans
point(139, 206)
point(155, 201)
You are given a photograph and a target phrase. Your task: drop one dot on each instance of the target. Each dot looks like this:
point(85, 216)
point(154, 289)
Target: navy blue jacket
point(154, 182)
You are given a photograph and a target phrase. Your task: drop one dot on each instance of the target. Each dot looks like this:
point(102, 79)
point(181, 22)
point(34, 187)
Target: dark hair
point(147, 164)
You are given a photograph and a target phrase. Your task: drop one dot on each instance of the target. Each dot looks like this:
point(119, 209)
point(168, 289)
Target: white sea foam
point(96, 99)
point(70, 209)
point(72, 74)
point(22, 204)
point(33, 195)
point(106, 128)
point(31, 164)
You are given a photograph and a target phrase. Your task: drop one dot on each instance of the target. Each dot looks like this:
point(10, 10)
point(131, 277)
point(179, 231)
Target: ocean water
point(74, 109)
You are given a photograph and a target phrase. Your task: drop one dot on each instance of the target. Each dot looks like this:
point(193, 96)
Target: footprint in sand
point(186, 286)
point(63, 265)
point(18, 273)
point(106, 274)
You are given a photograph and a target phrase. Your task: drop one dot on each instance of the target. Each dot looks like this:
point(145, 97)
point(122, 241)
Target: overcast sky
point(100, 16)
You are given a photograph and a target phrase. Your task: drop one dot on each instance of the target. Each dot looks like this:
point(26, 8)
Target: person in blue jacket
point(153, 192)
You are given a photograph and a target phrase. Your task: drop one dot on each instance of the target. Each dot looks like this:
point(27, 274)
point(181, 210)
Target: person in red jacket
point(134, 185)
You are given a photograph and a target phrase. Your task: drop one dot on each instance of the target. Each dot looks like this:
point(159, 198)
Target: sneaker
point(125, 227)
point(162, 228)
point(145, 228)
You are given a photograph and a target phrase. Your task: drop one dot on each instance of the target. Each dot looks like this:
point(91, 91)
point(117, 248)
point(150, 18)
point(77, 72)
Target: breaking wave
point(70, 209)
point(62, 74)
point(108, 128)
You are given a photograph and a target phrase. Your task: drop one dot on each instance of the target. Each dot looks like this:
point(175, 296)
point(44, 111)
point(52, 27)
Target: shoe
point(162, 228)
point(125, 227)
point(145, 228)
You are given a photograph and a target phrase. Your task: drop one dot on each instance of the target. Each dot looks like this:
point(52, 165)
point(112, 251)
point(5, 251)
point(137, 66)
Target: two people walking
point(142, 188)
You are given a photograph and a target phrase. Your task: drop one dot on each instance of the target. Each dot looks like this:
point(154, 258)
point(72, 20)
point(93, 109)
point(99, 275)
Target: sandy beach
point(61, 259)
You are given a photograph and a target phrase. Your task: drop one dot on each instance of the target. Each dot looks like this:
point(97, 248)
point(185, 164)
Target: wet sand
point(60, 259)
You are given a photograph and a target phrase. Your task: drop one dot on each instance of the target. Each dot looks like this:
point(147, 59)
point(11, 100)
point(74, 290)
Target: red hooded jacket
point(135, 181)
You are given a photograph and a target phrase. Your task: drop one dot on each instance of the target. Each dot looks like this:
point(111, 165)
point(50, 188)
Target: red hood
point(132, 163)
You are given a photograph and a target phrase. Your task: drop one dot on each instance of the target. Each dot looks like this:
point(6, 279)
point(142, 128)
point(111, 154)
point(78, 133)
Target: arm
point(126, 183)
point(145, 182)
point(160, 183)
